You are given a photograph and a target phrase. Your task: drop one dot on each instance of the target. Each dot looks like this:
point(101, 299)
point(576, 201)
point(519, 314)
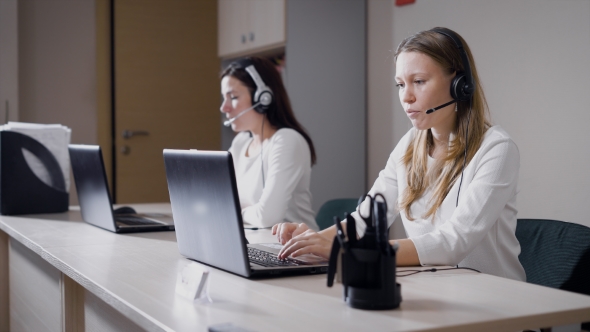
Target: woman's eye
point(399, 85)
point(419, 81)
point(233, 97)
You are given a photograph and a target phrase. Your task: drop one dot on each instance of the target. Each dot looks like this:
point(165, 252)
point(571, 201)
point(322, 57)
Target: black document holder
point(21, 191)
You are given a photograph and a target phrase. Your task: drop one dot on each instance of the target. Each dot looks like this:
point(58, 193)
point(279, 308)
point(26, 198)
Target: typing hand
point(285, 231)
point(308, 242)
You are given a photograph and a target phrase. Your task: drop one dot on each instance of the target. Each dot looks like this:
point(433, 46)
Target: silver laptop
point(95, 199)
point(208, 218)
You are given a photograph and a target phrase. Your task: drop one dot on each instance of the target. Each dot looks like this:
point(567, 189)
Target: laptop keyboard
point(135, 220)
point(268, 259)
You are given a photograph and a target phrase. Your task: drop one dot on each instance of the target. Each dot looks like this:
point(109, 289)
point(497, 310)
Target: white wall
point(380, 70)
point(8, 60)
point(326, 82)
point(533, 60)
point(57, 65)
point(57, 71)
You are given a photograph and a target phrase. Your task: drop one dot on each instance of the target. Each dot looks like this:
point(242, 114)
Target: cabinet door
point(267, 28)
point(250, 26)
point(233, 24)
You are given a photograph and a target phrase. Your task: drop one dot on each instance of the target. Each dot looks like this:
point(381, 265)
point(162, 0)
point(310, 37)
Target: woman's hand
point(308, 242)
point(286, 230)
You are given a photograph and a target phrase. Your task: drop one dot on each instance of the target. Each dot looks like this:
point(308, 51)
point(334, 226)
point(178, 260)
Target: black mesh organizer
point(21, 191)
point(367, 265)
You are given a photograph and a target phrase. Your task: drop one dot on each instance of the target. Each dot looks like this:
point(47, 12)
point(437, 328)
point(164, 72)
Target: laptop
point(95, 200)
point(208, 218)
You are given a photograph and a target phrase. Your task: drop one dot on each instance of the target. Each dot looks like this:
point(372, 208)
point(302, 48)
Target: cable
point(256, 228)
point(433, 270)
point(261, 150)
point(465, 154)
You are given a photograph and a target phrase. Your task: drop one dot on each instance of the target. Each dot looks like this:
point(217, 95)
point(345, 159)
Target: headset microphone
point(230, 121)
point(441, 106)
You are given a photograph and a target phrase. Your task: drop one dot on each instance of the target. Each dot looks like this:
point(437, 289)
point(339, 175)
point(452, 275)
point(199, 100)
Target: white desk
point(67, 275)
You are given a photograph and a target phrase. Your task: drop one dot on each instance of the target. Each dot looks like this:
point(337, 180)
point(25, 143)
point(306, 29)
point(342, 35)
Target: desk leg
point(73, 304)
point(4, 311)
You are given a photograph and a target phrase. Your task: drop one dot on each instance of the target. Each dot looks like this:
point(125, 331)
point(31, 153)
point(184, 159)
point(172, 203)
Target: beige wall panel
point(35, 291)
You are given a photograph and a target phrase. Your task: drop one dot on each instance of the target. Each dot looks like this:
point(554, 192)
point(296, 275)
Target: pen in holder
point(367, 265)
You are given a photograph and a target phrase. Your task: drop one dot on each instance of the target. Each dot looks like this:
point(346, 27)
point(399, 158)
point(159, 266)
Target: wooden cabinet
point(250, 26)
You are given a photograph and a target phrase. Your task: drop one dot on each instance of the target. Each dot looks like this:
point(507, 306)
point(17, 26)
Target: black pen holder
point(366, 266)
point(369, 282)
point(21, 191)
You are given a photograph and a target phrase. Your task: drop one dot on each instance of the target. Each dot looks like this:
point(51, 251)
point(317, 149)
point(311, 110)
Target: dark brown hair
point(279, 112)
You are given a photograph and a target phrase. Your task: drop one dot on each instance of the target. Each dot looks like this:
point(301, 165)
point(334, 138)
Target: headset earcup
point(265, 99)
point(458, 88)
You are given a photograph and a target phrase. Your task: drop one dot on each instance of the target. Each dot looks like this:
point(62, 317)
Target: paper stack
point(55, 138)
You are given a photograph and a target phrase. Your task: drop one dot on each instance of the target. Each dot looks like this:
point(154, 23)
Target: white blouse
point(286, 197)
point(480, 231)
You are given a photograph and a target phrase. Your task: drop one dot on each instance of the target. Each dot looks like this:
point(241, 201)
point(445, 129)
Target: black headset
point(263, 95)
point(462, 86)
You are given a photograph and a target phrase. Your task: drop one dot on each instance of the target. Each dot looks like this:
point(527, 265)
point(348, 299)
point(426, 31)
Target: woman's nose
point(407, 96)
point(225, 107)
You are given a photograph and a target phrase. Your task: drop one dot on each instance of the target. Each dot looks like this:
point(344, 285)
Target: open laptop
point(95, 199)
point(208, 218)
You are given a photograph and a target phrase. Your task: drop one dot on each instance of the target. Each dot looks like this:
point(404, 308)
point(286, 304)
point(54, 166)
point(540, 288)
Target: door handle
point(125, 150)
point(127, 134)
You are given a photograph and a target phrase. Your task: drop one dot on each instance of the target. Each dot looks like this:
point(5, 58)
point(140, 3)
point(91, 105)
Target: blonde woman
point(453, 177)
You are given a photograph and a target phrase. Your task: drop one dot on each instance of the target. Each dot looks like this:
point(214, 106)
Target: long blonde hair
point(472, 117)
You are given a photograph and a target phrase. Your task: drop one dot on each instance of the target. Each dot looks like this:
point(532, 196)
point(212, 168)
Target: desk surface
point(136, 274)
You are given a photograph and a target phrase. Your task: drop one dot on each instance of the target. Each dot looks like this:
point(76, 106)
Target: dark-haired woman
point(453, 177)
point(272, 153)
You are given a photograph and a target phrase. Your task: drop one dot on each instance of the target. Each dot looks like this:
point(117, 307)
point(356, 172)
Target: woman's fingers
point(284, 231)
point(295, 237)
point(309, 239)
point(301, 228)
point(315, 249)
point(290, 247)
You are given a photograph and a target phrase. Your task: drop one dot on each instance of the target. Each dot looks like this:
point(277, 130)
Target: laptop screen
point(91, 184)
point(206, 209)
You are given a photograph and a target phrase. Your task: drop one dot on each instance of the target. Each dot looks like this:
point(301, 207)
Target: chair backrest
point(335, 207)
point(555, 253)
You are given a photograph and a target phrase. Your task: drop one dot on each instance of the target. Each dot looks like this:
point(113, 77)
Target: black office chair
point(555, 254)
point(335, 207)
